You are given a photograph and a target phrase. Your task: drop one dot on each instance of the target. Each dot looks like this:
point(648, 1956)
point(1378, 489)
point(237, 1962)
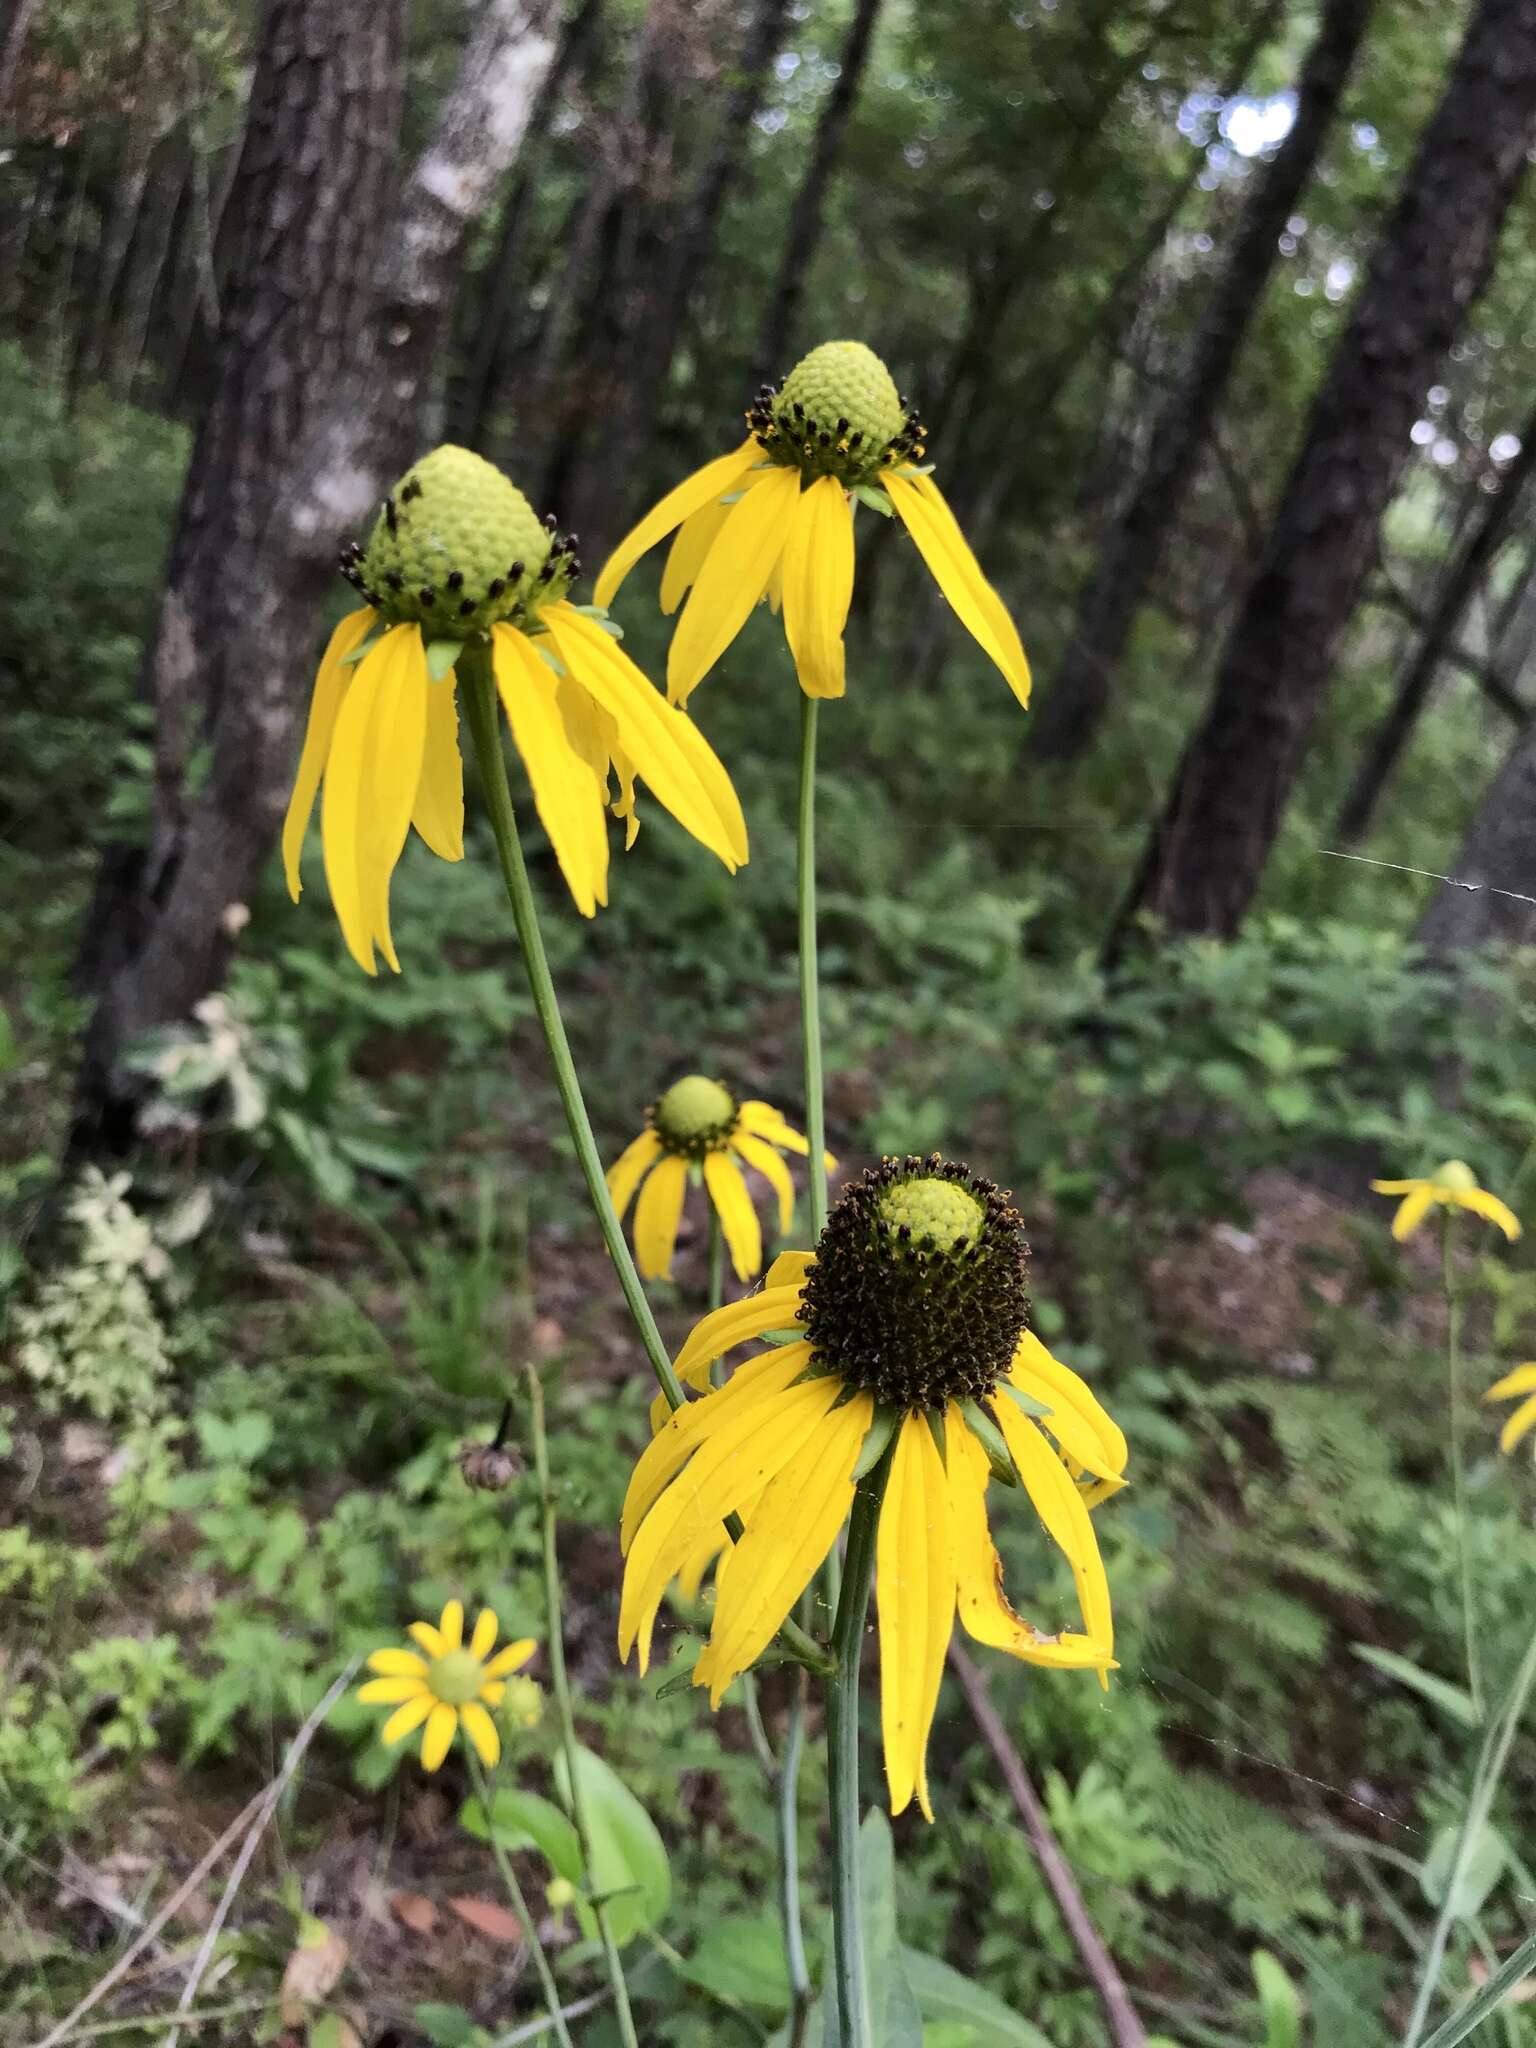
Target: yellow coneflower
point(1451, 1186)
point(699, 1123)
point(1523, 1420)
point(912, 1347)
point(774, 519)
point(450, 1687)
point(458, 555)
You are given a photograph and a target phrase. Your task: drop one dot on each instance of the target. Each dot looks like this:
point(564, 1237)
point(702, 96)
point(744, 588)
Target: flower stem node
point(457, 547)
point(696, 1115)
point(837, 413)
point(918, 1294)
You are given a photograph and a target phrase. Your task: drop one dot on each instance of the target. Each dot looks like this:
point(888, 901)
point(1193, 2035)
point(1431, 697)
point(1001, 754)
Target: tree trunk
point(1208, 851)
point(805, 216)
point(15, 26)
point(1470, 565)
point(1498, 852)
point(1131, 550)
point(332, 318)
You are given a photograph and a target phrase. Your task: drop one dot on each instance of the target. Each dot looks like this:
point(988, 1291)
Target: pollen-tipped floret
point(456, 546)
point(838, 413)
point(917, 1293)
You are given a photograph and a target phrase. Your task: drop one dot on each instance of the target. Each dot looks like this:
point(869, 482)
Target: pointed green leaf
point(629, 1858)
point(1027, 1402)
point(442, 655)
point(945, 1995)
point(522, 1820)
point(876, 1439)
point(990, 1437)
point(875, 499)
point(1279, 2002)
point(360, 653)
point(1454, 1700)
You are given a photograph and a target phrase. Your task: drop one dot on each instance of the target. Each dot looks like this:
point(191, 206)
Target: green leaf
point(990, 1437)
point(449, 2026)
point(1027, 1402)
point(1454, 1700)
point(629, 1858)
point(945, 1995)
point(741, 1959)
point(239, 1441)
point(1279, 2002)
point(1452, 2032)
point(442, 655)
point(1484, 1865)
point(876, 1439)
point(522, 1820)
point(895, 2019)
point(358, 653)
point(875, 499)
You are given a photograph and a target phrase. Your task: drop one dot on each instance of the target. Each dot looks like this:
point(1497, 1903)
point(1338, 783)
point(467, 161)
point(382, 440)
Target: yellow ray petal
point(691, 543)
point(789, 1270)
point(775, 1308)
point(1521, 1381)
point(788, 1533)
point(435, 1743)
point(410, 1716)
point(512, 1658)
point(565, 791)
point(330, 686)
point(915, 1596)
point(481, 1730)
point(629, 1169)
point(761, 1155)
point(657, 1215)
point(922, 510)
point(1492, 1210)
point(484, 1636)
point(717, 785)
point(706, 486)
point(1412, 1211)
point(344, 796)
point(1079, 1424)
point(398, 1664)
point(738, 1218)
point(732, 580)
point(438, 814)
point(397, 739)
point(1515, 1427)
point(664, 747)
point(818, 586)
point(760, 1380)
point(764, 1121)
point(736, 1459)
point(388, 1692)
point(1396, 1187)
point(690, 1574)
point(450, 1626)
point(1063, 1511)
point(424, 1633)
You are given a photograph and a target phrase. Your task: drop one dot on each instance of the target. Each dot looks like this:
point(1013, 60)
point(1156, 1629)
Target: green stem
point(1459, 1459)
point(810, 978)
point(849, 1968)
point(1492, 1758)
point(788, 1820)
point(477, 695)
point(716, 1259)
point(560, 1680)
point(519, 1903)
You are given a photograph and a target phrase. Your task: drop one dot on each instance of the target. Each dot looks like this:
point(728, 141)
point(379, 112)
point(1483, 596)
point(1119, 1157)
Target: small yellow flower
point(699, 1122)
point(1521, 1381)
point(450, 1687)
point(774, 519)
point(1451, 1186)
point(910, 1344)
point(458, 554)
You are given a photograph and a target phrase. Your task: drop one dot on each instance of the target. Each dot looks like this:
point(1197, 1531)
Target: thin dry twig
point(1126, 2029)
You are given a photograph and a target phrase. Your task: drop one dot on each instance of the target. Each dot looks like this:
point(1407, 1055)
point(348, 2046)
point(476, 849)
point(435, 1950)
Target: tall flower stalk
point(1459, 1455)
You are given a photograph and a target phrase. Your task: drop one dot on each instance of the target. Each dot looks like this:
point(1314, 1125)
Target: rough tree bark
point(1208, 851)
point(771, 357)
point(329, 338)
point(1074, 709)
point(1469, 566)
point(1498, 852)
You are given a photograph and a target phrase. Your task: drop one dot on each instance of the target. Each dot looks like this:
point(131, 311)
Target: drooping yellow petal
point(761, 1380)
point(922, 510)
point(761, 1155)
point(398, 1664)
point(818, 586)
point(397, 739)
point(657, 1215)
point(690, 1573)
point(776, 1307)
point(775, 591)
point(789, 1270)
point(566, 793)
point(484, 1636)
point(732, 580)
point(685, 558)
point(1063, 1511)
point(438, 1739)
point(330, 686)
point(1491, 1209)
point(915, 1597)
point(1521, 1381)
point(629, 1169)
point(410, 1716)
point(734, 1460)
point(738, 1218)
point(388, 1692)
point(1523, 1419)
point(984, 1608)
point(1412, 1211)
point(450, 1626)
point(1077, 1421)
point(1396, 1187)
point(342, 803)
point(764, 1121)
point(481, 1730)
point(666, 749)
point(788, 1533)
point(424, 1633)
point(705, 487)
point(438, 813)
point(512, 1658)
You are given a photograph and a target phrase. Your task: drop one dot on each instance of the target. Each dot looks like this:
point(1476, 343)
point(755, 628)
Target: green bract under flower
point(457, 547)
point(837, 413)
point(917, 1292)
point(695, 1116)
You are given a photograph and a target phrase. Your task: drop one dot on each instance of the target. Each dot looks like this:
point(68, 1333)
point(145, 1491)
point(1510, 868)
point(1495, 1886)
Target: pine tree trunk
point(333, 314)
point(1208, 851)
point(1469, 567)
point(771, 358)
point(1074, 710)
